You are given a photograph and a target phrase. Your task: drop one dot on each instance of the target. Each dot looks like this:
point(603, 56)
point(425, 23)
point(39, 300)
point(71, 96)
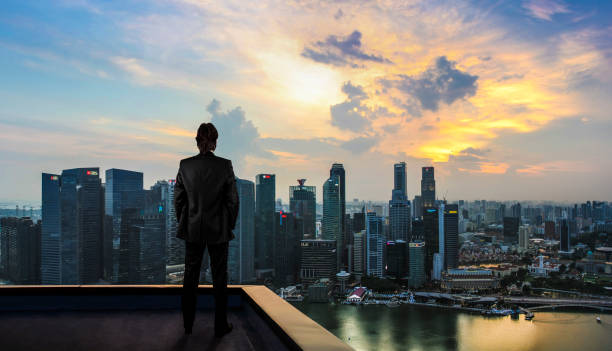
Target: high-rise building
point(359, 239)
point(565, 235)
point(123, 190)
point(318, 260)
point(241, 263)
point(82, 214)
point(20, 245)
point(417, 207)
point(302, 203)
point(337, 170)
point(286, 248)
point(451, 236)
point(511, 227)
point(332, 215)
point(416, 255)
point(549, 230)
point(399, 178)
point(431, 235)
point(523, 238)
point(51, 230)
point(374, 245)
point(397, 259)
point(175, 247)
point(428, 187)
point(400, 214)
point(147, 239)
point(265, 207)
point(71, 238)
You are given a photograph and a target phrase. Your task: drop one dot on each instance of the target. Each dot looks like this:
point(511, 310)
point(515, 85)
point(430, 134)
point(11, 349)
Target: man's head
point(207, 137)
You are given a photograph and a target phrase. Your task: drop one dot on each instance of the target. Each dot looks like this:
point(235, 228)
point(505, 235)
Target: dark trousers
point(194, 253)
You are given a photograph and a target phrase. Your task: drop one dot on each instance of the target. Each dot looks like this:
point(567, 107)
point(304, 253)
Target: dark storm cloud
point(340, 51)
point(361, 144)
point(351, 114)
point(238, 136)
point(440, 83)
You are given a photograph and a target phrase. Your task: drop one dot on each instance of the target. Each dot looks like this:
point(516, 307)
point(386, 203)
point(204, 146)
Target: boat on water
point(598, 319)
point(529, 316)
point(394, 302)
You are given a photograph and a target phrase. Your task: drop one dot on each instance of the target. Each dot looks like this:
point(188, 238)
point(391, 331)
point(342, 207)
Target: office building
point(374, 245)
point(428, 187)
point(20, 250)
point(511, 226)
point(123, 190)
point(241, 262)
point(399, 178)
point(51, 230)
point(549, 230)
point(416, 257)
point(565, 235)
point(359, 239)
point(417, 207)
point(397, 259)
point(302, 203)
point(332, 215)
point(523, 238)
point(400, 216)
point(265, 207)
point(175, 247)
point(286, 248)
point(431, 236)
point(451, 236)
point(318, 261)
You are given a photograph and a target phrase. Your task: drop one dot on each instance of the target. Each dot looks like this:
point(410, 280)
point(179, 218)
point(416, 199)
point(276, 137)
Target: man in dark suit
point(206, 204)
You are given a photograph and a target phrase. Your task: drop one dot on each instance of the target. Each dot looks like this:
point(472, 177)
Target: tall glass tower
point(51, 231)
point(428, 187)
point(332, 214)
point(265, 206)
point(241, 263)
point(123, 190)
point(302, 203)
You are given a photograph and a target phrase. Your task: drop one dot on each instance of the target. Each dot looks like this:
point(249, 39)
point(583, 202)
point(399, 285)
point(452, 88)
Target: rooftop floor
point(149, 318)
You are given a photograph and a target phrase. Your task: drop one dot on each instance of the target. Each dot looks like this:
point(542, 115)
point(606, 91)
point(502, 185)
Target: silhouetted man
point(206, 204)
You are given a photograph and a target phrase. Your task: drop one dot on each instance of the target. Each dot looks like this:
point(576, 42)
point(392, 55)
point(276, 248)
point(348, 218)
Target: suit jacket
point(206, 199)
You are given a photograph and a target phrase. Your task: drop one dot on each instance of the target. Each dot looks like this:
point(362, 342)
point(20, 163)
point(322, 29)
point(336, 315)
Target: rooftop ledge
point(149, 317)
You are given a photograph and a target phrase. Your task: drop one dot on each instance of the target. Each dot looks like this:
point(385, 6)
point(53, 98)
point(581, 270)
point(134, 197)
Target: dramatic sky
point(508, 100)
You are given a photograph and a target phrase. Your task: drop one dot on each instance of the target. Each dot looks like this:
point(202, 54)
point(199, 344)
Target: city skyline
point(506, 101)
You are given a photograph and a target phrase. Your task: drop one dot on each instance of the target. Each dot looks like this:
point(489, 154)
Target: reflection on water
point(407, 327)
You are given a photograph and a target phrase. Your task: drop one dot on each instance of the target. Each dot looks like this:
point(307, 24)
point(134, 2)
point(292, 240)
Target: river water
point(377, 327)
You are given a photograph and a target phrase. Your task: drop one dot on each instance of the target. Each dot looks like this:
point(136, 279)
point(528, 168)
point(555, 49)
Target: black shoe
point(188, 331)
point(220, 332)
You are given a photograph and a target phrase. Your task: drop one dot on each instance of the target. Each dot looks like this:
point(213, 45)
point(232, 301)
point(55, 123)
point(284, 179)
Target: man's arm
point(180, 196)
point(231, 197)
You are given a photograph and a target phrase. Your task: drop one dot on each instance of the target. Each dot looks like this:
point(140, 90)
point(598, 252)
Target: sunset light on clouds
point(507, 101)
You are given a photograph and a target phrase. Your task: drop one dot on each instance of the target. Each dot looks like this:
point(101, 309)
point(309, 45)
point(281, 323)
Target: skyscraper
point(451, 236)
point(511, 227)
point(399, 177)
point(71, 239)
point(428, 187)
point(400, 217)
point(431, 235)
point(302, 203)
point(337, 170)
point(20, 244)
point(123, 190)
point(374, 245)
point(416, 256)
point(286, 248)
point(397, 259)
point(51, 230)
point(318, 260)
point(265, 207)
point(417, 206)
point(175, 247)
point(565, 235)
point(359, 239)
point(332, 214)
point(241, 263)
